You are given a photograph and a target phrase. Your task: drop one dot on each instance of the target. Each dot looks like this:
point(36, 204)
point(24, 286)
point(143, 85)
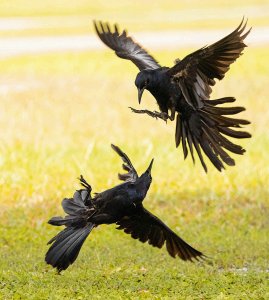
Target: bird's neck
point(141, 191)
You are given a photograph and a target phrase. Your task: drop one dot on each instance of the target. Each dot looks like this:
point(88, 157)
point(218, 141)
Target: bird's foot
point(85, 184)
point(161, 115)
point(153, 114)
point(144, 111)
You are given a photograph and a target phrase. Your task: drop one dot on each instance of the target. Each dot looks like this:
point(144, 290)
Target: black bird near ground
point(122, 205)
point(185, 89)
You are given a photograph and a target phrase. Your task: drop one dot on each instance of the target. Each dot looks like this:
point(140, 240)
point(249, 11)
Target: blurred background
point(64, 99)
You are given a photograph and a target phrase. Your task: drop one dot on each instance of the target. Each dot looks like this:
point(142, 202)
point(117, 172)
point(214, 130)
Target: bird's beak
point(150, 166)
point(140, 93)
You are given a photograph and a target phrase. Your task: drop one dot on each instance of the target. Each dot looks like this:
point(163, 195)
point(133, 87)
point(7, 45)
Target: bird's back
point(116, 201)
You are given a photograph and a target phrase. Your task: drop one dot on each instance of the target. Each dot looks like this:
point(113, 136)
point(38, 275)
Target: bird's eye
point(147, 82)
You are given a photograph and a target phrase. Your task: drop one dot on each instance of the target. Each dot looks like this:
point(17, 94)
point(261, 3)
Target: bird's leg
point(172, 107)
point(173, 113)
point(153, 114)
point(144, 111)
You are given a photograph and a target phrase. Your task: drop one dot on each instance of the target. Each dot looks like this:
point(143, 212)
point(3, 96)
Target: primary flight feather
point(184, 91)
point(122, 205)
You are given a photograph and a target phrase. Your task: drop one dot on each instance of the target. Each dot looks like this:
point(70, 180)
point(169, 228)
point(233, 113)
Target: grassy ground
point(59, 114)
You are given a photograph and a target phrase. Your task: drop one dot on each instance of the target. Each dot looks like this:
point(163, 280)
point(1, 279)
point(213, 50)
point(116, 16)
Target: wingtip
point(204, 166)
point(206, 258)
point(115, 148)
point(95, 24)
point(221, 168)
point(104, 27)
point(116, 27)
point(243, 22)
point(242, 26)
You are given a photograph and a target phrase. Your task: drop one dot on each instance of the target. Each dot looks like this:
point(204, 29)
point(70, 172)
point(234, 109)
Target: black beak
point(140, 93)
point(150, 166)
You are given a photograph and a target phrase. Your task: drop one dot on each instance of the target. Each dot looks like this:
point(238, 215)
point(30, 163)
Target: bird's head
point(143, 81)
point(144, 181)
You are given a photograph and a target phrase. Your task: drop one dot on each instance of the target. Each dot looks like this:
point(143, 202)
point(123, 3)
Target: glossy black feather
point(122, 205)
point(198, 70)
point(185, 89)
point(148, 228)
point(124, 46)
point(127, 166)
point(65, 248)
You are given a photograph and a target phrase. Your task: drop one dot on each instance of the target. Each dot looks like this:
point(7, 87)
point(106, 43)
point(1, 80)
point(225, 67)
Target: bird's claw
point(137, 111)
point(161, 115)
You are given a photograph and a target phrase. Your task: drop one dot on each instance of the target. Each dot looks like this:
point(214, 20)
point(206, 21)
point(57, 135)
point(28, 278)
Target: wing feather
point(124, 46)
point(148, 228)
point(198, 70)
point(131, 176)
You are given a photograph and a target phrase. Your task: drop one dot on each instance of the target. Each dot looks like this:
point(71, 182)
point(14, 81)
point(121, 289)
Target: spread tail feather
point(67, 244)
point(205, 130)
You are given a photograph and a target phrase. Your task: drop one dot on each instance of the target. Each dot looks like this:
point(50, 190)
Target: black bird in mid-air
point(184, 91)
point(122, 205)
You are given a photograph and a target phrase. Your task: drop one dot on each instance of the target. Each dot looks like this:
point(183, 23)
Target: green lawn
point(59, 114)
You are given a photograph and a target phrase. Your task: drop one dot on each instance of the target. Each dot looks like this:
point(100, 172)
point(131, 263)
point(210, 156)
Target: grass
point(59, 114)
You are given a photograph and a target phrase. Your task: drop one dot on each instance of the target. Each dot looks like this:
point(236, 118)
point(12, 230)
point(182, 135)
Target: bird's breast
point(165, 91)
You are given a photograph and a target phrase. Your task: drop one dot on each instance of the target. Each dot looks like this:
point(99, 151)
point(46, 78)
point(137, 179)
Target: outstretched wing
point(131, 176)
point(196, 73)
point(124, 46)
point(148, 228)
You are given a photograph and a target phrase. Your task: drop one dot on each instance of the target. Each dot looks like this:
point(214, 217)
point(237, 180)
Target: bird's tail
point(67, 243)
point(206, 129)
